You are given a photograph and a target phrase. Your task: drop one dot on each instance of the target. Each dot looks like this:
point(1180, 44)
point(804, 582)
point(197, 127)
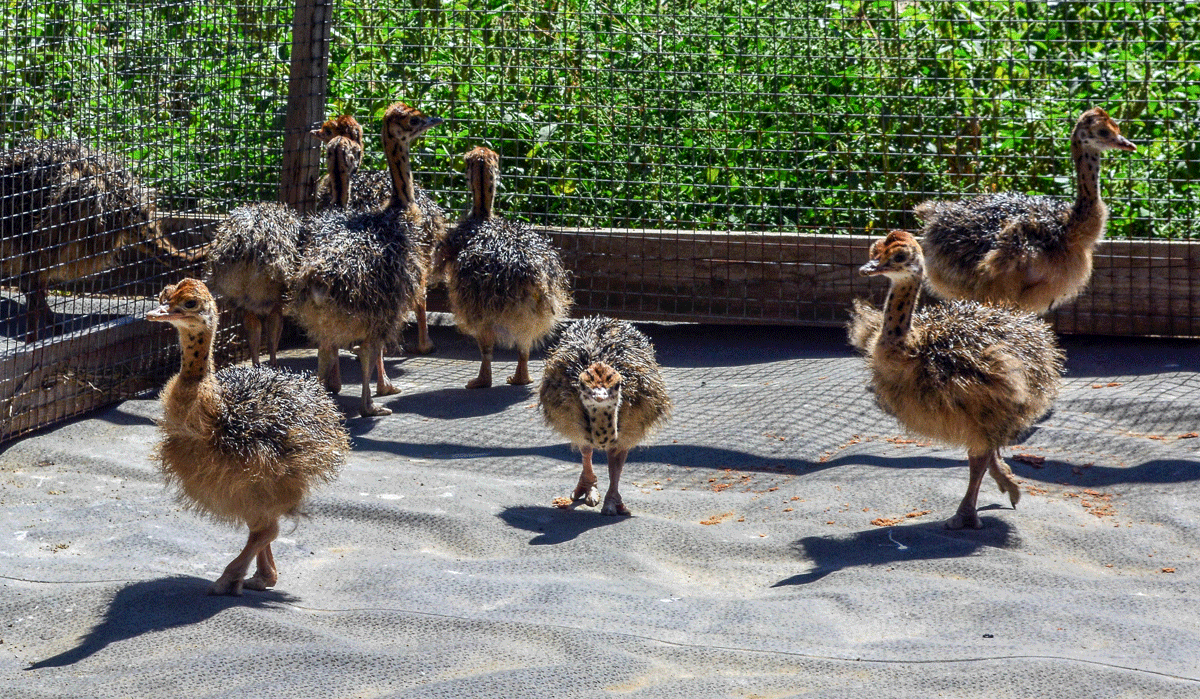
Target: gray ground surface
point(436, 566)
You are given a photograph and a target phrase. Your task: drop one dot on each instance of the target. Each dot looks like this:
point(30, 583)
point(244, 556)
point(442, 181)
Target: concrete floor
point(786, 540)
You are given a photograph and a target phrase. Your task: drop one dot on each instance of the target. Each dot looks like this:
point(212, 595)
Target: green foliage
point(758, 114)
point(195, 92)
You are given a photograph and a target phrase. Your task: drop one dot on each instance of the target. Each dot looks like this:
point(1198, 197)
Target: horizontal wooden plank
point(1141, 287)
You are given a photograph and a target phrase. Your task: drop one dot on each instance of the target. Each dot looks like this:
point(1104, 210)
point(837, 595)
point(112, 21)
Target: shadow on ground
point(157, 605)
point(888, 545)
point(554, 525)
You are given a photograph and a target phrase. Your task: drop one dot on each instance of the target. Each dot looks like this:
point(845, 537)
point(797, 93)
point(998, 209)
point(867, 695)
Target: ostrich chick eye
point(901, 257)
point(191, 303)
point(1104, 133)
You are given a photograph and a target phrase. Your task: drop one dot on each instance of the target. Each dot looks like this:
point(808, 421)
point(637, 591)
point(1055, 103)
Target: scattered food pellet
point(716, 519)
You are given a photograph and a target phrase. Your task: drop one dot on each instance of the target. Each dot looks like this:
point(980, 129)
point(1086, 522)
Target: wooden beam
point(307, 88)
point(1143, 287)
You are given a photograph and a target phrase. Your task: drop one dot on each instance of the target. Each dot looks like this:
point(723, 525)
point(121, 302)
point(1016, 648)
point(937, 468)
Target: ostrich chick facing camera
point(602, 389)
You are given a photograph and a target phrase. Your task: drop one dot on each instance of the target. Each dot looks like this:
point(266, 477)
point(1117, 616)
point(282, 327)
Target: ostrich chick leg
point(486, 340)
point(966, 515)
point(1003, 476)
point(230, 582)
point(274, 332)
point(424, 344)
point(586, 488)
point(38, 316)
point(612, 499)
point(328, 370)
point(253, 334)
point(266, 575)
point(521, 377)
point(383, 385)
point(368, 353)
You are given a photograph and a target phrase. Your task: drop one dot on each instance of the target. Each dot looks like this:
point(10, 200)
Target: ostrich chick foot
point(260, 581)
point(964, 520)
point(227, 584)
point(587, 492)
point(519, 379)
point(614, 507)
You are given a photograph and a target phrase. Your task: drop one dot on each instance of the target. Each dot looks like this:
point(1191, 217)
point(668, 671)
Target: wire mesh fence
point(712, 160)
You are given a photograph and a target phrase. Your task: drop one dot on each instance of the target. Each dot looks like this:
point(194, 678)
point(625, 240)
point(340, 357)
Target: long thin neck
point(403, 192)
point(197, 362)
point(483, 193)
point(1087, 178)
point(339, 178)
point(898, 310)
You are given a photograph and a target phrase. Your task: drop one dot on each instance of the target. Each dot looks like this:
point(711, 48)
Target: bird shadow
point(455, 403)
point(687, 345)
point(157, 605)
point(1104, 355)
point(118, 416)
point(888, 545)
point(1098, 476)
point(554, 525)
point(360, 431)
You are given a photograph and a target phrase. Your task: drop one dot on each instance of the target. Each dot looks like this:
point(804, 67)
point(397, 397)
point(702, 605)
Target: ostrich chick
point(361, 271)
point(245, 444)
point(602, 389)
point(251, 264)
point(507, 283)
point(964, 373)
point(374, 190)
point(66, 211)
point(1034, 252)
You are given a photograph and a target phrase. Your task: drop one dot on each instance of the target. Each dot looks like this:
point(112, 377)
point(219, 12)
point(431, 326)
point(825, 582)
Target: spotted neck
point(197, 362)
point(404, 192)
point(1089, 213)
point(898, 311)
point(602, 423)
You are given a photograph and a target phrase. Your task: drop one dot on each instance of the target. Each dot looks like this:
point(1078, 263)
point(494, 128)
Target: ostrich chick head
point(896, 256)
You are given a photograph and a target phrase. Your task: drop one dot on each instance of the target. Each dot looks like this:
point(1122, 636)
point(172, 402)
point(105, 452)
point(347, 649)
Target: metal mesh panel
point(714, 138)
point(124, 128)
point(714, 160)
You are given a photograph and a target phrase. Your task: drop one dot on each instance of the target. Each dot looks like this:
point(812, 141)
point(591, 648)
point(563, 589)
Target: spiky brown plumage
point(602, 388)
point(356, 275)
point(251, 265)
point(961, 372)
point(66, 210)
point(1034, 252)
point(361, 271)
point(244, 445)
point(373, 190)
point(506, 282)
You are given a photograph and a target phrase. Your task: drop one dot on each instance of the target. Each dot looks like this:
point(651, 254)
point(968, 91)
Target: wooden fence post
point(306, 101)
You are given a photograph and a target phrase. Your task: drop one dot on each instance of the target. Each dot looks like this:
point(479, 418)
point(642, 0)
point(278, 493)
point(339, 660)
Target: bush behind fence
point(773, 115)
